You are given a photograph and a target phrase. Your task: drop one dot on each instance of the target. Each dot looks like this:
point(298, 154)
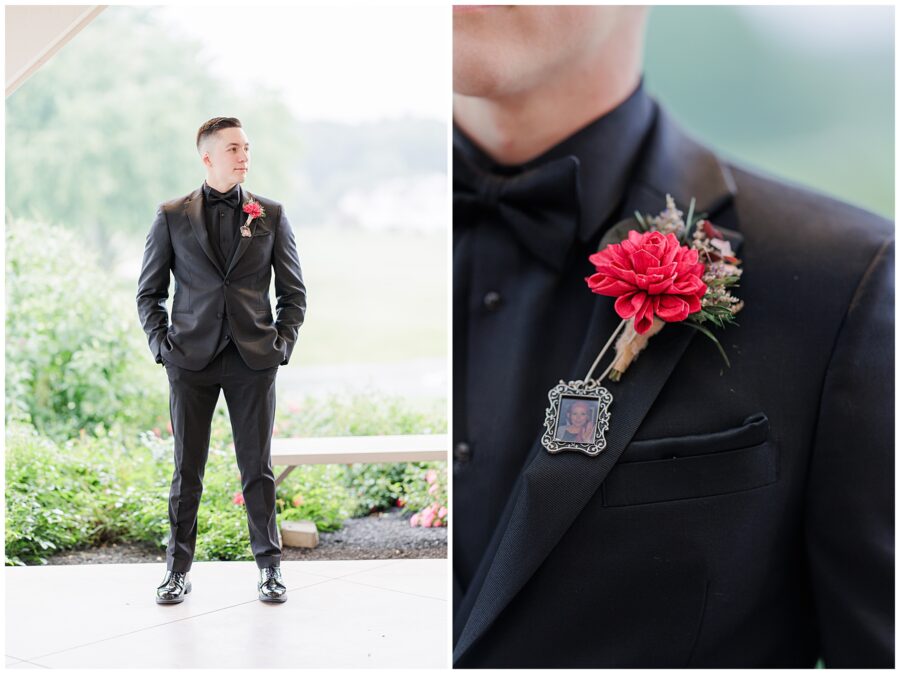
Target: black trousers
point(250, 395)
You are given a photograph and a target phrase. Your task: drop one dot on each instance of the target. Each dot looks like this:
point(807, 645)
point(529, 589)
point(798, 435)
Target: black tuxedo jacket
point(739, 517)
point(206, 295)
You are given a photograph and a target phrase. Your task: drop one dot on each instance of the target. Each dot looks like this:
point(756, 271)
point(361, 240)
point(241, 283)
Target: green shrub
point(97, 488)
point(375, 487)
point(83, 492)
point(113, 484)
point(316, 493)
point(75, 354)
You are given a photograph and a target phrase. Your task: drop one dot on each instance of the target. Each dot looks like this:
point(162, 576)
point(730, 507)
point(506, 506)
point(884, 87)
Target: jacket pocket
point(692, 466)
point(263, 304)
point(181, 301)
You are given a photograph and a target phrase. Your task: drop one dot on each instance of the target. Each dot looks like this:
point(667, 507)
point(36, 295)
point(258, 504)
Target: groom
point(738, 516)
point(221, 243)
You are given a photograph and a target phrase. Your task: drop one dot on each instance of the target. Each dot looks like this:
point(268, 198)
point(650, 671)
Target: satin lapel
point(243, 241)
point(193, 209)
point(553, 489)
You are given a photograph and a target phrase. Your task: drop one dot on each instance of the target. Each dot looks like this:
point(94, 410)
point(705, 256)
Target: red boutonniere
point(660, 270)
point(671, 271)
point(254, 210)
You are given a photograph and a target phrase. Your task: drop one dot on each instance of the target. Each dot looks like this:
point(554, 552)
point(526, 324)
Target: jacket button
point(462, 452)
point(492, 300)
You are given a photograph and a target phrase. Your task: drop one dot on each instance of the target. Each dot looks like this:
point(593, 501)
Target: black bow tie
point(231, 198)
point(540, 205)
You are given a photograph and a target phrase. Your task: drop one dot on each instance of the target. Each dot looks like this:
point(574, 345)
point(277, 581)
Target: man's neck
point(219, 187)
point(516, 128)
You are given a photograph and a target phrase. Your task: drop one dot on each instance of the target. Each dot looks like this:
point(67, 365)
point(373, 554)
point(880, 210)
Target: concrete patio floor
point(372, 613)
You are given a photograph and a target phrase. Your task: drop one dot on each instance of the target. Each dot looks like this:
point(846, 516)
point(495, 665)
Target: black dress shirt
point(500, 289)
point(223, 220)
point(222, 213)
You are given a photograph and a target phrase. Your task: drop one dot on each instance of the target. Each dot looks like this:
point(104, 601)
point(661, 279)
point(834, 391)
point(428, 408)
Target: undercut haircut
point(216, 124)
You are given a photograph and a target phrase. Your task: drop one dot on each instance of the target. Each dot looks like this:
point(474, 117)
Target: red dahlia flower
point(253, 209)
point(650, 274)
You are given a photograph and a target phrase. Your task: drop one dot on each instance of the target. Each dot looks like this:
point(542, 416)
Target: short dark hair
point(215, 124)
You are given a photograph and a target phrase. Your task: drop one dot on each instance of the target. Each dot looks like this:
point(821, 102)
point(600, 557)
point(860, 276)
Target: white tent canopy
point(34, 33)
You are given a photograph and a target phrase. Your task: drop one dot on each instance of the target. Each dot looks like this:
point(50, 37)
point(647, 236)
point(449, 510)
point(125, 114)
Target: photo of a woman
point(578, 420)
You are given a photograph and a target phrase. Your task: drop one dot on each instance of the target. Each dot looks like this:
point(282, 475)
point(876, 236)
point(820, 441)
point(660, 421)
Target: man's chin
point(477, 82)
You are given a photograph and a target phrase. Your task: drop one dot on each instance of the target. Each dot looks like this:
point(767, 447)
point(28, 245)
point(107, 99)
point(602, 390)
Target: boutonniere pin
point(254, 210)
point(661, 270)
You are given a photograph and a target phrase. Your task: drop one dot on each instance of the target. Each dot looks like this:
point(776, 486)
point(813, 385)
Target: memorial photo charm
point(578, 418)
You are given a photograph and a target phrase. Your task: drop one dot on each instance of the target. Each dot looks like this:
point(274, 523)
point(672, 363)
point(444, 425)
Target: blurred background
point(805, 92)
point(347, 112)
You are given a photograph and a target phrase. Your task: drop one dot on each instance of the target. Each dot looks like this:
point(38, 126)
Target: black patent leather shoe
point(271, 588)
point(173, 588)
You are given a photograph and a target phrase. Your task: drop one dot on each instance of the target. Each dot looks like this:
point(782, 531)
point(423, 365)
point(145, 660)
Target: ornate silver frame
point(589, 390)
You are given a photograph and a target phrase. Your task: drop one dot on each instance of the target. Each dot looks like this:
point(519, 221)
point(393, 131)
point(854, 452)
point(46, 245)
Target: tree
point(104, 132)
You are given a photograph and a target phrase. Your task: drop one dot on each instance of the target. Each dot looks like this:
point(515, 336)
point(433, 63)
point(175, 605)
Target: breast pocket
point(258, 253)
point(692, 466)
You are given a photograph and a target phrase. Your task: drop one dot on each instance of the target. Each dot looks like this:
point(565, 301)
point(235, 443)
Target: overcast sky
point(348, 64)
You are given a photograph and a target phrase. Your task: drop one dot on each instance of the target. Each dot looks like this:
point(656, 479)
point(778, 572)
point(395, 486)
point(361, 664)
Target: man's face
point(226, 156)
point(503, 50)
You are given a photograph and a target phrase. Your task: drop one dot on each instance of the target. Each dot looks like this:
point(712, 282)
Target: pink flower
point(427, 519)
point(442, 513)
point(253, 209)
point(431, 476)
point(238, 498)
point(298, 500)
point(433, 489)
point(649, 274)
point(414, 520)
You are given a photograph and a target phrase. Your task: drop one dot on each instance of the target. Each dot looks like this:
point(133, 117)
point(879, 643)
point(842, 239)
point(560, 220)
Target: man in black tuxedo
point(222, 243)
point(739, 516)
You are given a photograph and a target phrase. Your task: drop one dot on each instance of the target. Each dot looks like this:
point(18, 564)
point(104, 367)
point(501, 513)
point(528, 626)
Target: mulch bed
point(378, 536)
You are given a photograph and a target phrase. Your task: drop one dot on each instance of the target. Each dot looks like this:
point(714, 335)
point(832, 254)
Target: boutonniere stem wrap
point(254, 210)
point(661, 270)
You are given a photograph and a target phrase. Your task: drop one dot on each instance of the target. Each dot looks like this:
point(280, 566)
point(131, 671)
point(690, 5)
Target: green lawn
point(373, 296)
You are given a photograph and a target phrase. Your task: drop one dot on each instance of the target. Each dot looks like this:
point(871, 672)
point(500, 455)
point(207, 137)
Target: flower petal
point(673, 308)
point(627, 305)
